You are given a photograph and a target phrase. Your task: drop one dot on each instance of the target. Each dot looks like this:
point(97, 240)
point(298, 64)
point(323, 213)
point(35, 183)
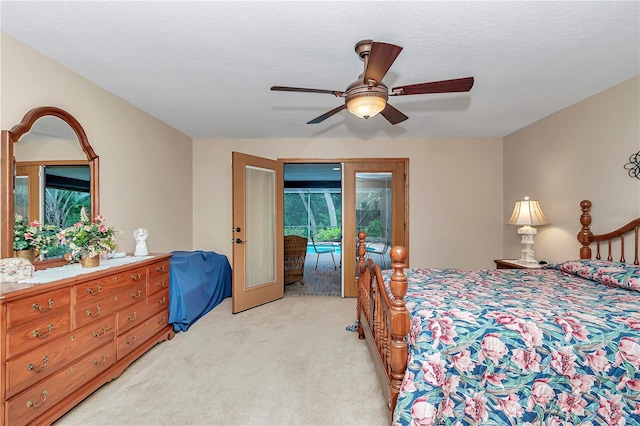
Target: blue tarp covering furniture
point(200, 280)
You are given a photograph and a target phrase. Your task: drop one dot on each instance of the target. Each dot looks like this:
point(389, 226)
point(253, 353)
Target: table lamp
point(527, 214)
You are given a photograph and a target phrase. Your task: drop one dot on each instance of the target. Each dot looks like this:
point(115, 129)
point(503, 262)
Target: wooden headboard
point(586, 237)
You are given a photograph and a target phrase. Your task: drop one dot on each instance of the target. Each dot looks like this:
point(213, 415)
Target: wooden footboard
point(382, 322)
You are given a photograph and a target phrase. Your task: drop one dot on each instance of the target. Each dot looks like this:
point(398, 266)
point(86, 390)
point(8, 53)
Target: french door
point(258, 229)
point(375, 192)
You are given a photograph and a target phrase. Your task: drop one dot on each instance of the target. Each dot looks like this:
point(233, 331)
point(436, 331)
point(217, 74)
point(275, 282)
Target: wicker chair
point(295, 252)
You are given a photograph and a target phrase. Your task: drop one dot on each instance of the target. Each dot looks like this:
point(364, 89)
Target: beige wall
point(455, 192)
point(577, 153)
point(145, 165)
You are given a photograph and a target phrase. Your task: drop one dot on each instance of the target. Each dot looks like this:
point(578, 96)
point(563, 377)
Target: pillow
point(601, 271)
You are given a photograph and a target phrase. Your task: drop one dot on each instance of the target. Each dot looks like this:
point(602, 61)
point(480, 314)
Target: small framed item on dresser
point(515, 264)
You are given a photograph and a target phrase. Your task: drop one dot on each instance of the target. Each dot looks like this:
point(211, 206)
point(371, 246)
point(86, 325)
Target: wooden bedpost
point(362, 251)
point(400, 322)
point(585, 234)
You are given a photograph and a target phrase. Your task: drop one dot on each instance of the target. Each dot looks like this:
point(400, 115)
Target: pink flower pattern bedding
point(521, 347)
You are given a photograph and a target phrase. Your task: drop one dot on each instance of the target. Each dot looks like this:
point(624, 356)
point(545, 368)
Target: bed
point(552, 346)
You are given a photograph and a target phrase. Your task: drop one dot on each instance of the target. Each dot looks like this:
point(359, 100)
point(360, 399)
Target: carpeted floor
point(289, 362)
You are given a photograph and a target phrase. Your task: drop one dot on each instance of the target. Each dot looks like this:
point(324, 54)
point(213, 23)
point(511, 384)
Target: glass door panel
point(260, 199)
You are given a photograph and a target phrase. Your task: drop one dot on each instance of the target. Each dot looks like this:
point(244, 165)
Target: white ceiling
point(206, 68)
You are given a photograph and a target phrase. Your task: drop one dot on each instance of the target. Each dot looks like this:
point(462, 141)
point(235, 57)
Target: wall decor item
point(141, 235)
point(634, 165)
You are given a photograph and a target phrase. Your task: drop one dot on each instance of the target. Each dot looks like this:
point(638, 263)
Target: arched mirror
point(49, 171)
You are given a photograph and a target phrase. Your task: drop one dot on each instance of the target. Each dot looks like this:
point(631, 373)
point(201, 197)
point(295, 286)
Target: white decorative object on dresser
point(67, 331)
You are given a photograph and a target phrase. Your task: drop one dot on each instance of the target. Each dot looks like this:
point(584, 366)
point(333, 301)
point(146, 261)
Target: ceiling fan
point(368, 95)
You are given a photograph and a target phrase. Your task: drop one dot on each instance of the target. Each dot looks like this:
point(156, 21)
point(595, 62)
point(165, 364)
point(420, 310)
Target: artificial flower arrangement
point(86, 239)
point(25, 233)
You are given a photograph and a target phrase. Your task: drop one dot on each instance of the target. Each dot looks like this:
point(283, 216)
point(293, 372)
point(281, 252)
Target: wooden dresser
point(61, 340)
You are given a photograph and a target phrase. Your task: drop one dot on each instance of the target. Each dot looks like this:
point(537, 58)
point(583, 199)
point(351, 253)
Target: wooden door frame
point(345, 218)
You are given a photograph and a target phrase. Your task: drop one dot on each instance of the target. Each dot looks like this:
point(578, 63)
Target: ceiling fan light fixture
point(365, 102)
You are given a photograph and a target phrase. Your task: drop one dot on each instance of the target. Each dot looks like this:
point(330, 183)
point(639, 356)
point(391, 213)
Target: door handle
point(236, 229)
point(239, 241)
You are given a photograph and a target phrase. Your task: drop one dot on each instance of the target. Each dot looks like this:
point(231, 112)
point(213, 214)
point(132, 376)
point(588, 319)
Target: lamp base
point(526, 254)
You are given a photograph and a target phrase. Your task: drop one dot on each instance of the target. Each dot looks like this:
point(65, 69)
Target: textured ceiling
point(205, 68)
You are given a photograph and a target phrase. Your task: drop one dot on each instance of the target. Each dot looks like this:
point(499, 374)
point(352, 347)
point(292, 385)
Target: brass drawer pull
point(132, 318)
point(36, 333)
point(104, 360)
point(160, 268)
point(131, 341)
point(104, 331)
point(31, 367)
point(163, 300)
point(161, 283)
point(92, 314)
point(30, 403)
point(136, 278)
point(97, 291)
point(37, 307)
point(162, 320)
point(136, 296)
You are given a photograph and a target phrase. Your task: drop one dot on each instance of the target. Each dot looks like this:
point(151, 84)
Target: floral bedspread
point(519, 347)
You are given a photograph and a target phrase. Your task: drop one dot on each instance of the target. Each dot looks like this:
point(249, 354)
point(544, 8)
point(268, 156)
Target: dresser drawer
point(26, 406)
point(130, 340)
point(109, 303)
point(157, 283)
point(41, 362)
point(134, 315)
point(37, 333)
point(108, 286)
point(37, 307)
point(158, 270)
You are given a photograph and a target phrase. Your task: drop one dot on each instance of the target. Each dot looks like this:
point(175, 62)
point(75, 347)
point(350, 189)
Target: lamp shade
point(528, 212)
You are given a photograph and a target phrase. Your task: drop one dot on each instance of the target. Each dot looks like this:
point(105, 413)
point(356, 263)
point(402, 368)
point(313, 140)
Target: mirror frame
point(7, 181)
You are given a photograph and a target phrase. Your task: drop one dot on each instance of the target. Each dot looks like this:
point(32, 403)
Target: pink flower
point(634, 283)
point(423, 413)
point(511, 406)
point(637, 410)
point(35, 223)
point(78, 224)
point(634, 384)
point(492, 348)
point(415, 330)
point(462, 361)
point(28, 236)
point(581, 383)
point(541, 394)
point(572, 328)
point(99, 218)
point(434, 371)
point(611, 410)
point(571, 403)
point(103, 229)
point(494, 379)
point(450, 385)
point(563, 361)
point(408, 384)
point(598, 360)
point(441, 330)
point(446, 408)
point(476, 407)
point(529, 332)
point(501, 317)
point(527, 360)
point(629, 351)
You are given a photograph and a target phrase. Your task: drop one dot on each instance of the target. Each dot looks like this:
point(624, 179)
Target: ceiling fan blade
point(327, 115)
point(381, 58)
point(302, 89)
point(444, 86)
point(393, 115)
